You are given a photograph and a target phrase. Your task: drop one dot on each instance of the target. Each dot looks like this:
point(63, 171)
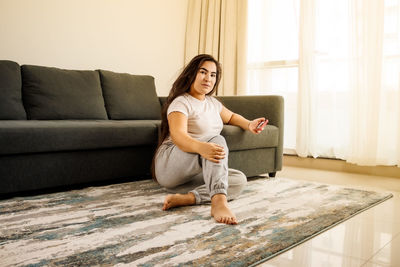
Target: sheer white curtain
point(346, 102)
point(375, 135)
point(324, 105)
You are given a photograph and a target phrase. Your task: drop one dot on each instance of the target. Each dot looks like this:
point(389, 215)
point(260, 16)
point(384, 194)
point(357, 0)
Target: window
point(273, 56)
point(352, 43)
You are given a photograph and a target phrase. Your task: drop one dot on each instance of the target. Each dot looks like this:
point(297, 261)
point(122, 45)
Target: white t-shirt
point(204, 119)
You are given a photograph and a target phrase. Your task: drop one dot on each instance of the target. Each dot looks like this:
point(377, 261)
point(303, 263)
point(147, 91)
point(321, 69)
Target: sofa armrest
point(252, 107)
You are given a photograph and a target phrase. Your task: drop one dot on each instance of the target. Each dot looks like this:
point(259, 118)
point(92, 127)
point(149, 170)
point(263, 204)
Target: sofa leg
point(271, 174)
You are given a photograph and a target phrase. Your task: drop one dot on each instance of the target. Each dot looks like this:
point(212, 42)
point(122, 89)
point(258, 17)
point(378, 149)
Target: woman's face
point(205, 80)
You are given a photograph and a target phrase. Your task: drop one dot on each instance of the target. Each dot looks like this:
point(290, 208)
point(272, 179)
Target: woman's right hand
point(212, 152)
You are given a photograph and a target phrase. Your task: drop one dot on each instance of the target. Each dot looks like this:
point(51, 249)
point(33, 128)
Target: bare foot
point(220, 210)
point(178, 200)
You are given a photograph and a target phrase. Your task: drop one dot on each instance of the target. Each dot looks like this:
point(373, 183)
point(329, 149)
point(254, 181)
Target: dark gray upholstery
point(239, 139)
point(56, 94)
point(130, 97)
point(19, 137)
point(25, 172)
point(253, 162)
point(61, 134)
point(11, 107)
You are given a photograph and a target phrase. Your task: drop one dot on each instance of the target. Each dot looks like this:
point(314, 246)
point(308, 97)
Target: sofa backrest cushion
point(130, 97)
point(52, 93)
point(11, 107)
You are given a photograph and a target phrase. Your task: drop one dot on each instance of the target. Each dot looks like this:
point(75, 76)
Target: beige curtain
point(218, 27)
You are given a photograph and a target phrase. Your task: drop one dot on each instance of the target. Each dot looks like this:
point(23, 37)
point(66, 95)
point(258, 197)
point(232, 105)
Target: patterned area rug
point(123, 225)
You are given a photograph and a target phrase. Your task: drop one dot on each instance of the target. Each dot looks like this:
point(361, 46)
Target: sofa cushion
point(130, 97)
point(32, 136)
point(53, 94)
point(11, 107)
point(238, 139)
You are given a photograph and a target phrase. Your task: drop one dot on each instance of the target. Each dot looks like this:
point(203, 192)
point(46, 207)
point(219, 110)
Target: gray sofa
point(60, 128)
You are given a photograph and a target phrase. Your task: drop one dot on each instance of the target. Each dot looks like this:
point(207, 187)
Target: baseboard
point(340, 166)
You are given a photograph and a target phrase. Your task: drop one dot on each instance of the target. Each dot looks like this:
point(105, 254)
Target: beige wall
point(134, 36)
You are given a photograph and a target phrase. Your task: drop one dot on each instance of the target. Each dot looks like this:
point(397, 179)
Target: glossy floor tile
point(371, 238)
point(388, 255)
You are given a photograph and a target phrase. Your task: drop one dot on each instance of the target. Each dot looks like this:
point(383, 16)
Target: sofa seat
point(238, 139)
point(33, 136)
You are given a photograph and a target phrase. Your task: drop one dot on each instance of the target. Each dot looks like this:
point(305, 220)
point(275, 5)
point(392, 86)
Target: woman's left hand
point(256, 126)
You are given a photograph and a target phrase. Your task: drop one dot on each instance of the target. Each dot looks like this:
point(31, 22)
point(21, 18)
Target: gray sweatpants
point(182, 172)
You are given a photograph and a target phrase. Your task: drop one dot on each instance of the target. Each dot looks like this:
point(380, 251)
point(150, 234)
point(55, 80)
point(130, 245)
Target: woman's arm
point(177, 122)
point(228, 117)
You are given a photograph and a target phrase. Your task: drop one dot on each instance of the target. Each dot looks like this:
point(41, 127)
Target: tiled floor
point(371, 238)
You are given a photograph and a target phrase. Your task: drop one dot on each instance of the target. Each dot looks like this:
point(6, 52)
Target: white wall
point(134, 36)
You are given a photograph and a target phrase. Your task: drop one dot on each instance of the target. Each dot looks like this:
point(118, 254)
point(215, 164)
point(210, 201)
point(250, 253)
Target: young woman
point(192, 158)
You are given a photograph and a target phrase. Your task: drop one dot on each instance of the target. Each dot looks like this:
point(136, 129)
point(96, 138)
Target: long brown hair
point(181, 86)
